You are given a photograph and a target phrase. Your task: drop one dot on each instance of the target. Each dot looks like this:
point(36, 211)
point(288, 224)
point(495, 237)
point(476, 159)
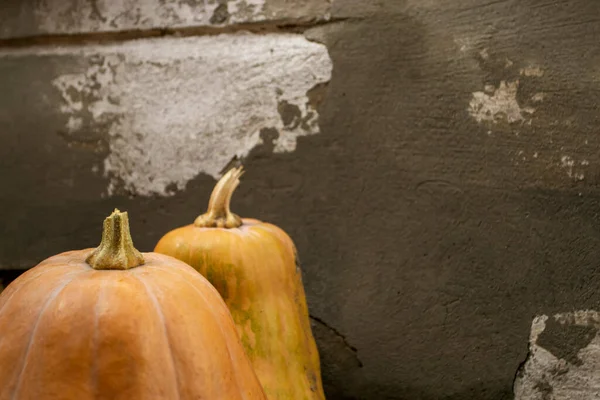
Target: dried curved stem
point(218, 214)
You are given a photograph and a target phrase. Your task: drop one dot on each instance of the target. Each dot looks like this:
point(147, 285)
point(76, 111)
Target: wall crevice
point(263, 27)
point(340, 336)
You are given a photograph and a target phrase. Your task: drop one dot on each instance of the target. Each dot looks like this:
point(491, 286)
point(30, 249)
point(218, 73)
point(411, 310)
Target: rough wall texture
point(436, 163)
point(26, 18)
point(166, 110)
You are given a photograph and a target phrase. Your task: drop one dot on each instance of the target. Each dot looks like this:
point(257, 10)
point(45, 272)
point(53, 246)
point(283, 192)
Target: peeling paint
point(67, 17)
point(106, 15)
point(466, 44)
point(532, 71)
point(573, 167)
point(503, 99)
point(494, 104)
point(174, 108)
point(246, 9)
point(564, 358)
point(538, 97)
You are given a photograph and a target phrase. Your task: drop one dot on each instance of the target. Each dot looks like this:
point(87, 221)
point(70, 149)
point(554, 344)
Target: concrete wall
point(435, 161)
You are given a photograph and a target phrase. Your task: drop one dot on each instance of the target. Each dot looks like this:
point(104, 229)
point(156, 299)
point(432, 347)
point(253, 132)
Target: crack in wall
point(109, 37)
point(341, 336)
point(101, 21)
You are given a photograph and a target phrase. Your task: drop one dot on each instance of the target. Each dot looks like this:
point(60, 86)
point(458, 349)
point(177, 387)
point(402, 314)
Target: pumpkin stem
point(218, 214)
point(116, 250)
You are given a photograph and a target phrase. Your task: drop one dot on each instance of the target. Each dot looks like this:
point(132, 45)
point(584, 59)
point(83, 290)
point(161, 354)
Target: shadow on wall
point(425, 245)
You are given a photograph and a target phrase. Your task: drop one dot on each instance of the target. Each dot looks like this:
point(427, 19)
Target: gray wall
point(436, 163)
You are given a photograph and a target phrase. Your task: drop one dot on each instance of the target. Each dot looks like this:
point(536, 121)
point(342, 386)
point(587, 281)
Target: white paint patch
point(467, 44)
point(498, 104)
point(464, 44)
point(532, 71)
point(244, 10)
point(174, 108)
point(538, 97)
point(75, 16)
point(546, 376)
point(108, 15)
point(573, 167)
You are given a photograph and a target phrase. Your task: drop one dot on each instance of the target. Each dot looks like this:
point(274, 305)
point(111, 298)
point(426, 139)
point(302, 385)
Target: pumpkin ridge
point(94, 369)
point(25, 283)
point(47, 303)
point(161, 316)
point(192, 273)
point(170, 271)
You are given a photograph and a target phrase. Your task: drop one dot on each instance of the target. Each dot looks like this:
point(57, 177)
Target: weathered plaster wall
point(436, 163)
point(170, 109)
point(26, 18)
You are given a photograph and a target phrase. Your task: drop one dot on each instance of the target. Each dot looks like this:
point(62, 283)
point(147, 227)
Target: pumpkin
point(254, 266)
point(113, 323)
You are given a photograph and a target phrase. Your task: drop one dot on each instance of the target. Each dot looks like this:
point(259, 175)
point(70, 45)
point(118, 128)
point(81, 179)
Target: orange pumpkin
point(112, 323)
point(254, 267)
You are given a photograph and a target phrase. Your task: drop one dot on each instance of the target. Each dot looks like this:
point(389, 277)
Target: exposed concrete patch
point(106, 15)
point(515, 99)
point(564, 358)
point(501, 102)
point(174, 108)
point(495, 104)
point(468, 44)
point(532, 71)
point(85, 16)
point(573, 167)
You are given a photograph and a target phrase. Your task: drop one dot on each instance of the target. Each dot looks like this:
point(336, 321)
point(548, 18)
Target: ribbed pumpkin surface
point(156, 331)
point(253, 265)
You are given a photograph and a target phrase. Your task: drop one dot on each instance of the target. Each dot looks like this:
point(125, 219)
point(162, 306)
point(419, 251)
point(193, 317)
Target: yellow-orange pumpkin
point(112, 323)
point(254, 266)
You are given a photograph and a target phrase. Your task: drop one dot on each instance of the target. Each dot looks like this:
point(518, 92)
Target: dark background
point(428, 240)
